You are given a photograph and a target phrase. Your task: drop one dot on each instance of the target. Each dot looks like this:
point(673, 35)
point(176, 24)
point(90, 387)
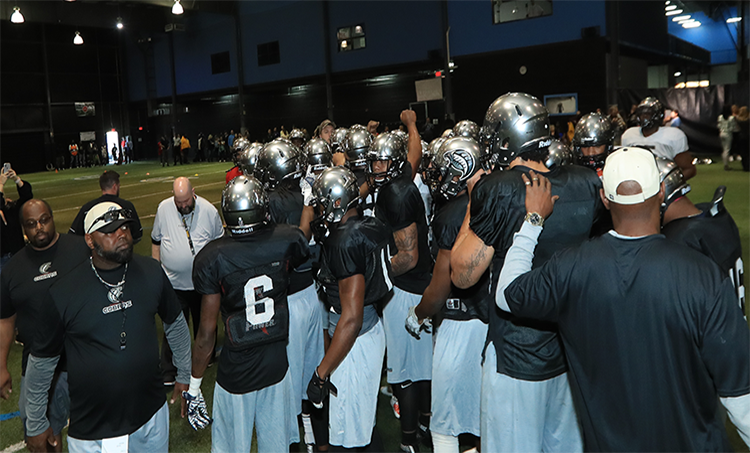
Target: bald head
point(38, 224)
point(184, 195)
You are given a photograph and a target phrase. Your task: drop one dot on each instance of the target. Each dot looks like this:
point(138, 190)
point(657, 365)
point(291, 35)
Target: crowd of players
point(352, 250)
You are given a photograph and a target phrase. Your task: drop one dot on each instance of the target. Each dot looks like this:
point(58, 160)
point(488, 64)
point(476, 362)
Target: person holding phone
point(11, 236)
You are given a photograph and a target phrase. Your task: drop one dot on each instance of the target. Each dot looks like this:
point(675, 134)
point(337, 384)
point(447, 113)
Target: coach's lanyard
point(187, 230)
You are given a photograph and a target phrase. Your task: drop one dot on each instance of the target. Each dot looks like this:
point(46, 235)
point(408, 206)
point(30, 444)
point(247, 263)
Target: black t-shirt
point(113, 391)
point(399, 205)
point(462, 304)
point(252, 275)
point(285, 203)
point(361, 245)
point(27, 277)
point(715, 236)
point(652, 334)
point(530, 349)
point(77, 226)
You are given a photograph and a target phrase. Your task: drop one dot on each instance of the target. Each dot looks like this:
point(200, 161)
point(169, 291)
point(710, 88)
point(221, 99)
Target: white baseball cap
point(630, 164)
point(106, 217)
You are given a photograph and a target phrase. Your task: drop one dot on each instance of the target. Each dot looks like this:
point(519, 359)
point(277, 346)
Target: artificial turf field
point(145, 184)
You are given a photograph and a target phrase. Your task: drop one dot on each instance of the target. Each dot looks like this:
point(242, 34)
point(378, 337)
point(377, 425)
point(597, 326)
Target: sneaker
point(386, 390)
point(394, 406)
point(424, 435)
point(408, 448)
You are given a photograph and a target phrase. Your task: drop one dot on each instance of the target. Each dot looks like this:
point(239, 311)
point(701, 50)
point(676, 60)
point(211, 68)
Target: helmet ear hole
point(518, 110)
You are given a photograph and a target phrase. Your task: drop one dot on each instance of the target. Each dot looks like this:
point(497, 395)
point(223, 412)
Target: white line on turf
point(14, 448)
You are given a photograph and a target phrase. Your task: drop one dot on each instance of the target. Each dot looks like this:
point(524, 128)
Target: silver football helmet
point(655, 111)
point(319, 156)
point(515, 123)
point(467, 128)
point(403, 136)
point(298, 137)
point(559, 155)
point(448, 133)
point(335, 191)
point(457, 160)
point(244, 205)
point(386, 147)
point(355, 148)
point(248, 157)
point(593, 129)
point(338, 139)
point(277, 161)
point(675, 185)
point(239, 144)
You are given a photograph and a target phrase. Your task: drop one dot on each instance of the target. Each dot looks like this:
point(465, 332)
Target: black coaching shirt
point(28, 276)
point(113, 391)
point(462, 304)
point(285, 203)
point(399, 204)
point(251, 273)
point(530, 349)
point(361, 245)
point(649, 351)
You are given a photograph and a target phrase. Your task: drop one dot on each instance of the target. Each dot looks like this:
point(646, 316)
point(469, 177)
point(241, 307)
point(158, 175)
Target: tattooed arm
point(407, 241)
point(470, 256)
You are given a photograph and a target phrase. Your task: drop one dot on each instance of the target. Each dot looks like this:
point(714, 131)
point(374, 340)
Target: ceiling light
point(681, 18)
point(77, 40)
point(670, 8)
point(704, 83)
point(344, 44)
point(685, 21)
point(695, 24)
point(674, 13)
point(177, 8)
point(677, 74)
point(17, 17)
point(667, 2)
point(732, 20)
point(119, 23)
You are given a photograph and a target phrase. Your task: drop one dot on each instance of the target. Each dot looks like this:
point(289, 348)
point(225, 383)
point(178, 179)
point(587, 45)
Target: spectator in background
point(176, 147)
point(230, 138)
point(674, 119)
point(743, 137)
point(633, 117)
point(727, 125)
point(269, 135)
point(163, 151)
point(618, 124)
point(109, 182)
point(73, 148)
point(184, 149)
point(283, 133)
point(428, 132)
point(200, 155)
point(11, 236)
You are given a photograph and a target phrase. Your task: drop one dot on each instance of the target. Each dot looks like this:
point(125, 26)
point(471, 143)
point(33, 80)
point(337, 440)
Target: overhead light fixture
point(677, 74)
point(670, 8)
point(78, 40)
point(684, 21)
point(674, 13)
point(177, 8)
point(681, 18)
point(344, 44)
point(731, 20)
point(704, 83)
point(17, 17)
point(695, 24)
point(667, 2)
point(119, 23)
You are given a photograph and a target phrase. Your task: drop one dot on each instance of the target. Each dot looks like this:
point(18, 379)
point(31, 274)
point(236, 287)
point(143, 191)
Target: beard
point(185, 210)
point(120, 257)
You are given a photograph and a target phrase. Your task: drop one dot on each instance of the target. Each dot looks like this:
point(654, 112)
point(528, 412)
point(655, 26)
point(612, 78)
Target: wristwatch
point(534, 218)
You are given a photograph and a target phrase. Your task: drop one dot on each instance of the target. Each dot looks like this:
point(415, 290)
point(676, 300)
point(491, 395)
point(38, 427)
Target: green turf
point(147, 183)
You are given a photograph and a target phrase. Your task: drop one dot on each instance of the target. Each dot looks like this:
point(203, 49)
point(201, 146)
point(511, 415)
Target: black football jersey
point(398, 205)
point(717, 237)
point(530, 349)
point(361, 245)
point(462, 304)
point(285, 203)
point(252, 275)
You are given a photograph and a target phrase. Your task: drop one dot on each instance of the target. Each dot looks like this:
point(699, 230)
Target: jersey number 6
point(258, 311)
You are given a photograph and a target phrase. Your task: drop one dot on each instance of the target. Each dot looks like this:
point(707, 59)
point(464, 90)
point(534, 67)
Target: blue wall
point(472, 30)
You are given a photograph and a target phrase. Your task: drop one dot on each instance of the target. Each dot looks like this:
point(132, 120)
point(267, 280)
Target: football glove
point(197, 413)
point(318, 389)
point(414, 326)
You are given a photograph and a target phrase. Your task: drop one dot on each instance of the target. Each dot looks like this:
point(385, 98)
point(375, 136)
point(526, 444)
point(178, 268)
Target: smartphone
point(6, 167)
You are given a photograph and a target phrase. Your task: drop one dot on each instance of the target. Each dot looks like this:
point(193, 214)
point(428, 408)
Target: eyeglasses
point(111, 216)
point(44, 220)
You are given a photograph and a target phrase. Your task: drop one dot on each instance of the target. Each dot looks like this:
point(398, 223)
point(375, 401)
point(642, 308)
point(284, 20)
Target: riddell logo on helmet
point(545, 143)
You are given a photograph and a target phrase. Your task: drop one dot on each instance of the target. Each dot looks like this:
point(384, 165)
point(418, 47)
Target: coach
point(654, 348)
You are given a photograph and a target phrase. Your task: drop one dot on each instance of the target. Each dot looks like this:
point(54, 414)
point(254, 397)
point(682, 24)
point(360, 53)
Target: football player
point(524, 375)
point(667, 142)
point(592, 141)
point(245, 277)
point(457, 360)
point(298, 137)
point(238, 148)
point(279, 168)
point(355, 274)
point(706, 227)
point(399, 205)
